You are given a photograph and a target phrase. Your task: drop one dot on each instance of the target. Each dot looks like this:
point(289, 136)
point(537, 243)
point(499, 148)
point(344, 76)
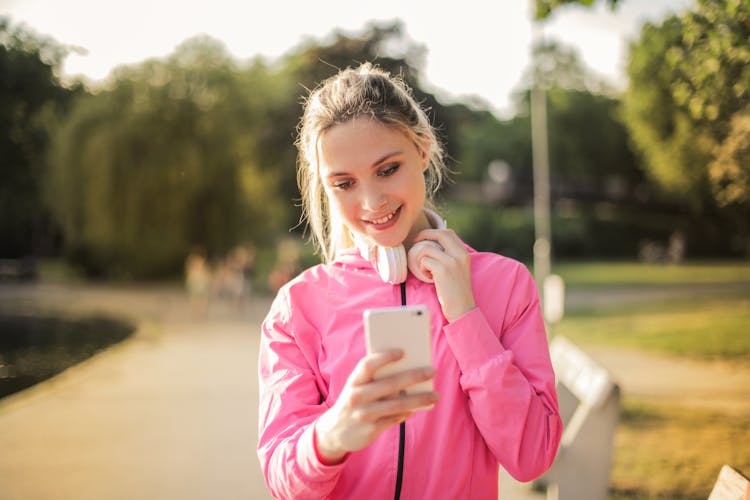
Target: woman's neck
point(420, 224)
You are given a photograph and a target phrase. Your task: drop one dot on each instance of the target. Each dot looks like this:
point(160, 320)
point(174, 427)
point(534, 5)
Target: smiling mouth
point(383, 220)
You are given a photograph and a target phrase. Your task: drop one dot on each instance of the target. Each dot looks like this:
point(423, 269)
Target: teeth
point(384, 219)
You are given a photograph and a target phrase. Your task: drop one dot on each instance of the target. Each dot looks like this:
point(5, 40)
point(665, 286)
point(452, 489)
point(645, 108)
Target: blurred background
point(147, 169)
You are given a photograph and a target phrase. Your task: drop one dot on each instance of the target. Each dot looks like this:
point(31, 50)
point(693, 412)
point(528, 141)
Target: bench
point(731, 485)
point(589, 402)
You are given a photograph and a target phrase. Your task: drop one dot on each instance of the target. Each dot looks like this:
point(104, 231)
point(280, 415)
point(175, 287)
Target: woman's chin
point(391, 237)
point(388, 240)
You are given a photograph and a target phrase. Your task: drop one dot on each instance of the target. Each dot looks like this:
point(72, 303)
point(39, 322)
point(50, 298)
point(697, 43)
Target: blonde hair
point(365, 91)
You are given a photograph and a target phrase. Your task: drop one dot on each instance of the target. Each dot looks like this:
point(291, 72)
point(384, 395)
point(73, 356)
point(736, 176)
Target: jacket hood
point(351, 258)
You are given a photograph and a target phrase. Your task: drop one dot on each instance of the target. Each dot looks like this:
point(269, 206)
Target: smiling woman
point(336, 421)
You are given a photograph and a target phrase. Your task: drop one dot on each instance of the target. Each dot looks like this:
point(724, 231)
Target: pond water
point(35, 348)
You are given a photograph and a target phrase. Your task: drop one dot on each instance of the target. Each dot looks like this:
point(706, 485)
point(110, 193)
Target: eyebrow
point(374, 164)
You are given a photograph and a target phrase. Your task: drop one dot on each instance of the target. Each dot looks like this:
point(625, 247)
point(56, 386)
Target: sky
point(474, 47)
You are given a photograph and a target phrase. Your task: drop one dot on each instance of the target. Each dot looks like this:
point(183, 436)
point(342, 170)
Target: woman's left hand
point(450, 269)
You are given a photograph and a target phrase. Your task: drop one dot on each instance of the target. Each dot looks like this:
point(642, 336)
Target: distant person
point(232, 278)
point(287, 265)
point(198, 279)
point(281, 274)
point(247, 255)
point(369, 163)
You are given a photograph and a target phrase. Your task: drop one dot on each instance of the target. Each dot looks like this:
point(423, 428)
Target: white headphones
point(392, 263)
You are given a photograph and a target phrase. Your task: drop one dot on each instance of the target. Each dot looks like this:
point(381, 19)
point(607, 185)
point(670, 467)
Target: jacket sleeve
point(289, 404)
point(508, 377)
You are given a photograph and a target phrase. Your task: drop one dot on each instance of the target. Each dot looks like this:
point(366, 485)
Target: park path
point(168, 414)
point(718, 385)
point(171, 412)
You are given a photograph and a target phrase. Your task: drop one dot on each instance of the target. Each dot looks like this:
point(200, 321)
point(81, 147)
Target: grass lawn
point(707, 325)
point(663, 449)
point(673, 452)
point(615, 274)
point(708, 316)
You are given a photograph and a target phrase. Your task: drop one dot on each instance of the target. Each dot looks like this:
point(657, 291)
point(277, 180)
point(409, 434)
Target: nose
point(373, 198)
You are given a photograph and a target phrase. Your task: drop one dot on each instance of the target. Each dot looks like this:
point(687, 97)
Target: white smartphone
point(401, 327)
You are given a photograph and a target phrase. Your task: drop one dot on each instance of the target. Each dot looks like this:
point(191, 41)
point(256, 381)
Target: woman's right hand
point(366, 407)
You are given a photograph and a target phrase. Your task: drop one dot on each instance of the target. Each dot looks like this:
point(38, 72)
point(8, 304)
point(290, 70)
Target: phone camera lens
point(419, 313)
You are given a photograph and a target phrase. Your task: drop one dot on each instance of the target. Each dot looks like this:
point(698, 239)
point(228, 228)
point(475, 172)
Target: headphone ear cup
point(391, 264)
point(414, 259)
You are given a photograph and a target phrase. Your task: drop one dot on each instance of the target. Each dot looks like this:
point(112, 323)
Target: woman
point(369, 163)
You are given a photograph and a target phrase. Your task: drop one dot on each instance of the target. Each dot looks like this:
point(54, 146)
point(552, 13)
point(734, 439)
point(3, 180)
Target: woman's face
point(373, 178)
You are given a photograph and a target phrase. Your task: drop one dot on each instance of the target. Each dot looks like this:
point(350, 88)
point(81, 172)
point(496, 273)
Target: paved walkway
point(171, 412)
point(168, 414)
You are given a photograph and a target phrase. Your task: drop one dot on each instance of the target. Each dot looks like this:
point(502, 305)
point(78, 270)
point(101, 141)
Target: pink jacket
point(497, 405)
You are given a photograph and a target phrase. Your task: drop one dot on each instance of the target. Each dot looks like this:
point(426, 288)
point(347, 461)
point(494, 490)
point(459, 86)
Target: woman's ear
point(423, 146)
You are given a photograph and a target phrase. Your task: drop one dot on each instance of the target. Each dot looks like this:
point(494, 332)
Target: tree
point(164, 159)
point(687, 104)
point(589, 151)
point(197, 150)
point(31, 95)
point(687, 107)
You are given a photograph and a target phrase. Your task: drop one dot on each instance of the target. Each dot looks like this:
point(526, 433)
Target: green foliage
point(484, 138)
point(197, 149)
point(507, 231)
point(543, 8)
point(729, 172)
point(688, 100)
point(31, 95)
point(588, 144)
point(580, 230)
point(162, 160)
point(590, 156)
point(602, 202)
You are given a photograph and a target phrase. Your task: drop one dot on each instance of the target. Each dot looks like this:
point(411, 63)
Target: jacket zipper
point(402, 428)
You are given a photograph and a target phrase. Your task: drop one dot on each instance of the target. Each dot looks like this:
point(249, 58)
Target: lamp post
point(540, 160)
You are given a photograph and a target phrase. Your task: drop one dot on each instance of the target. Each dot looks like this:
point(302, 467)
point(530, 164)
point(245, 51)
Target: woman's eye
point(342, 184)
point(389, 170)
